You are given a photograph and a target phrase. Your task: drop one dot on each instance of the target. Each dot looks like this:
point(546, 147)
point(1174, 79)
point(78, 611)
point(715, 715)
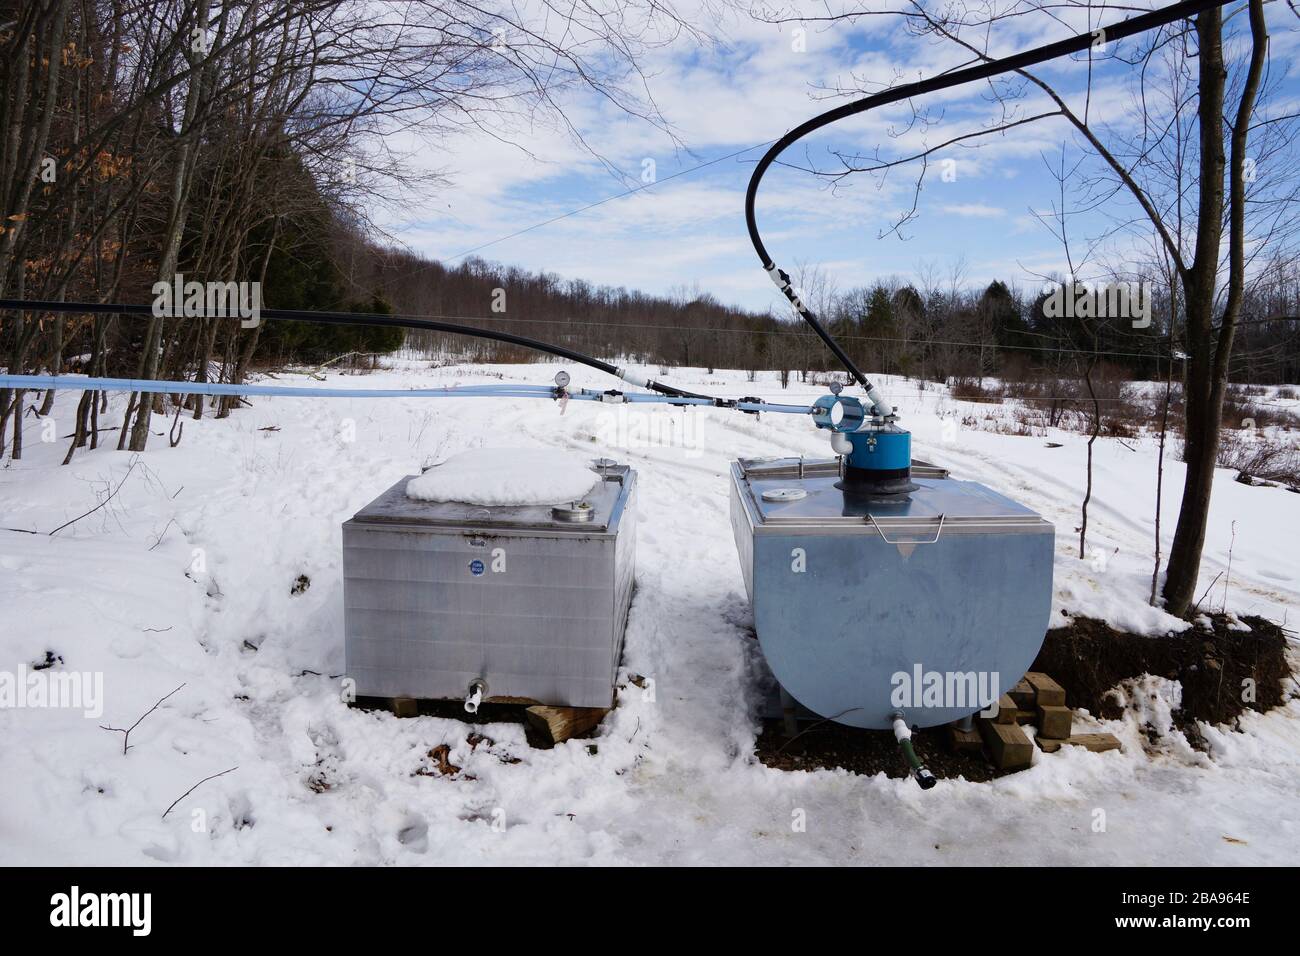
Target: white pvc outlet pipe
point(475, 695)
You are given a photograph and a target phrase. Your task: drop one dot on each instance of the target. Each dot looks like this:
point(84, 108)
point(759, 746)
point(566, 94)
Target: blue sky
point(690, 231)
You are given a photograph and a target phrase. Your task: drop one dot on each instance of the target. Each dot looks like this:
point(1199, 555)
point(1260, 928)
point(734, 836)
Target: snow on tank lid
point(506, 476)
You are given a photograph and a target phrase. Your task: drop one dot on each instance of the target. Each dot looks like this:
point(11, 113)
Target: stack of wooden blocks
point(1036, 699)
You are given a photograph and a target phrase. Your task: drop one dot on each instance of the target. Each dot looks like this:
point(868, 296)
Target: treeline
point(1007, 332)
point(921, 329)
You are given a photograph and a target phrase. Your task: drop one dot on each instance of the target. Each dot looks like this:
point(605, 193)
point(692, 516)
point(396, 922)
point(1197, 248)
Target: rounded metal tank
point(932, 606)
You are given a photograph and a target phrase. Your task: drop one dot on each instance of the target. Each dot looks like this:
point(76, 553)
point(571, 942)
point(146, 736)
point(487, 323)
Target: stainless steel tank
point(864, 608)
point(531, 601)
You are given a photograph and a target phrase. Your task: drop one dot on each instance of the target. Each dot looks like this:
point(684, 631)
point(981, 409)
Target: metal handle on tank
point(938, 531)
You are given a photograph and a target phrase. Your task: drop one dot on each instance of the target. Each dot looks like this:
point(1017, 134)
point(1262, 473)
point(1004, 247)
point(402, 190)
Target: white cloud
point(748, 89)
point(974, 210)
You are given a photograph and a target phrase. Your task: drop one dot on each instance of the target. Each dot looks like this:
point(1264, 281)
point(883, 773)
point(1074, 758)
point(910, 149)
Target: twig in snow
point(195, 787)
point(158, 540)
point(127, 731)
point(111, 428)
point(1228, 577)
point(1197, 606)
point(114, 492)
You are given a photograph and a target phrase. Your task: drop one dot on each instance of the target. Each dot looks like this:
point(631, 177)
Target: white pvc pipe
point(878, 404)
point(901, 731)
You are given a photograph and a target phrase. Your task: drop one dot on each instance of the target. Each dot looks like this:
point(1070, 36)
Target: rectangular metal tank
point(439, 594)
point(851, 597)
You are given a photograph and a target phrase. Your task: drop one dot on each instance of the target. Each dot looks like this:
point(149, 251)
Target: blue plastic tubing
point(76, 382)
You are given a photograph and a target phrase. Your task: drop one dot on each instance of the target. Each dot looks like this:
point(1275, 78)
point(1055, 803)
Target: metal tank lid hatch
point(773, 498)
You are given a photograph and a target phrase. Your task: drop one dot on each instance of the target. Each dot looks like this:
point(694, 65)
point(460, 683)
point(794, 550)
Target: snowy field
point(186, 577)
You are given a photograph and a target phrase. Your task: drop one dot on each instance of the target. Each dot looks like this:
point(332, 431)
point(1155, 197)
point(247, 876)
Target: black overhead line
point(439, 323)
point(366, 319)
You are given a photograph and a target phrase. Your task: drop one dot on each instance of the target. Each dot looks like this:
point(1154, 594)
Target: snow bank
point(506, 476)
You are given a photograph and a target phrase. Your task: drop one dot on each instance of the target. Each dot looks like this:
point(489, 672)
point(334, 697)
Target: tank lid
point(598, 511)
point(801, 493)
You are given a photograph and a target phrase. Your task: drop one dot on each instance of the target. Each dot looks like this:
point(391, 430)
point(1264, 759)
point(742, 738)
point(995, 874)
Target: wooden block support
point(558, 724)
point(1097, 743)
point(1023, 695)
point(1007, 711)
point(964, 741)
point(1054, 723)
point(1009, 746)
point(1047, 692)
point(405, 707)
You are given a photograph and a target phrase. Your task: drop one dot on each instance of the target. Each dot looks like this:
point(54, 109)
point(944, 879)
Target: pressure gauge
point(562, 379)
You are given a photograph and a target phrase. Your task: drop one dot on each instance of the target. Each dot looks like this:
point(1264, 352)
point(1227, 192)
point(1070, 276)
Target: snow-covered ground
point(187, 576)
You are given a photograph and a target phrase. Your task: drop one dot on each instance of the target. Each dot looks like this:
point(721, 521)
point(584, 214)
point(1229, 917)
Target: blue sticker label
point(477, 567)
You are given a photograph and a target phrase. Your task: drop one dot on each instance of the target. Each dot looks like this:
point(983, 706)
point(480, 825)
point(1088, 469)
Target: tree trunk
point(1203, 408)
point(1201, 401)
point(1207, 366)
point(56, 364)
point(178, 208)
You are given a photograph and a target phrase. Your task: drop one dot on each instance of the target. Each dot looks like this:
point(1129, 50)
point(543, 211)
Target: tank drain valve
point(477, 688)
point(904, 737)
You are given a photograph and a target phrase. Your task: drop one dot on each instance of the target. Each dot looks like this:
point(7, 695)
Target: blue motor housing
point(881, 452)
point(878, 460)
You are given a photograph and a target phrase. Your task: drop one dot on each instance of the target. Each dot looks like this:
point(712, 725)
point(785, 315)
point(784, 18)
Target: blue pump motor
point(876, 452)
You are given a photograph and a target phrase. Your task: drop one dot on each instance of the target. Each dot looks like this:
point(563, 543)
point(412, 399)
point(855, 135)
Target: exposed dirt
point(439, 762)
point(829, 745)
point(1089, 658)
